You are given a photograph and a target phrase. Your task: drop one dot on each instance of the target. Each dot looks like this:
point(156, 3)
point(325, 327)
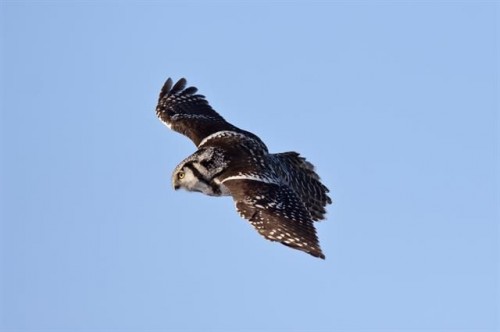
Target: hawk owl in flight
point(280, 194)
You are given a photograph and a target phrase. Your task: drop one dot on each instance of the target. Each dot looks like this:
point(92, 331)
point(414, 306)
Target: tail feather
point(302, 178)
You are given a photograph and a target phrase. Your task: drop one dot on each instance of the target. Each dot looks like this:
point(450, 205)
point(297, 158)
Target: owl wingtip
point(317, 254)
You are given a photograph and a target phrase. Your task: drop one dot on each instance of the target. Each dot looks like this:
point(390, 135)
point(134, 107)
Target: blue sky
point(396, 103)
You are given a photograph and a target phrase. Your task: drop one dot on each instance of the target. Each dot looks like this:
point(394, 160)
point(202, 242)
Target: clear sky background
point(396, 103)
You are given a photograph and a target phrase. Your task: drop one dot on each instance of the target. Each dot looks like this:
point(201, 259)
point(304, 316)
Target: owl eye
point(181, 175)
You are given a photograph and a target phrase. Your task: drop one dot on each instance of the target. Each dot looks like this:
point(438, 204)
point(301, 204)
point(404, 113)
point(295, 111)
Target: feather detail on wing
point(276, 213)
point(188, 113)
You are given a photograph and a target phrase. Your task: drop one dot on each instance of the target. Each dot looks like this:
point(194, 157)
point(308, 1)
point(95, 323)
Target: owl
point(280, 194)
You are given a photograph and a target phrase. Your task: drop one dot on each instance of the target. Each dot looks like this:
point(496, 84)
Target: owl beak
point(176, 186)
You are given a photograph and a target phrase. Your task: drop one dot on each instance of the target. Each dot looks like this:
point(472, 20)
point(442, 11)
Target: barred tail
point(302, 178)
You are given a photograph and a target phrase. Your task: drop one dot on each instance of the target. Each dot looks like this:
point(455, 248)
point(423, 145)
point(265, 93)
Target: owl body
point(223, 155)
point(280, 194)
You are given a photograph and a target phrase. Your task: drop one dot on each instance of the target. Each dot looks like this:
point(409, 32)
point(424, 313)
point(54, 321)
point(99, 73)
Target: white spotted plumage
point(279, 193)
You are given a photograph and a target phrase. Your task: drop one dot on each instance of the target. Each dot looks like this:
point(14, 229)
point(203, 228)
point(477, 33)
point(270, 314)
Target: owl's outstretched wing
point(189, 113)
point(276, 212)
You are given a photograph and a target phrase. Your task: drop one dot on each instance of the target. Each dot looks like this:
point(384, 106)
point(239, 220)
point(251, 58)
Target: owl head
point(193, 173)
